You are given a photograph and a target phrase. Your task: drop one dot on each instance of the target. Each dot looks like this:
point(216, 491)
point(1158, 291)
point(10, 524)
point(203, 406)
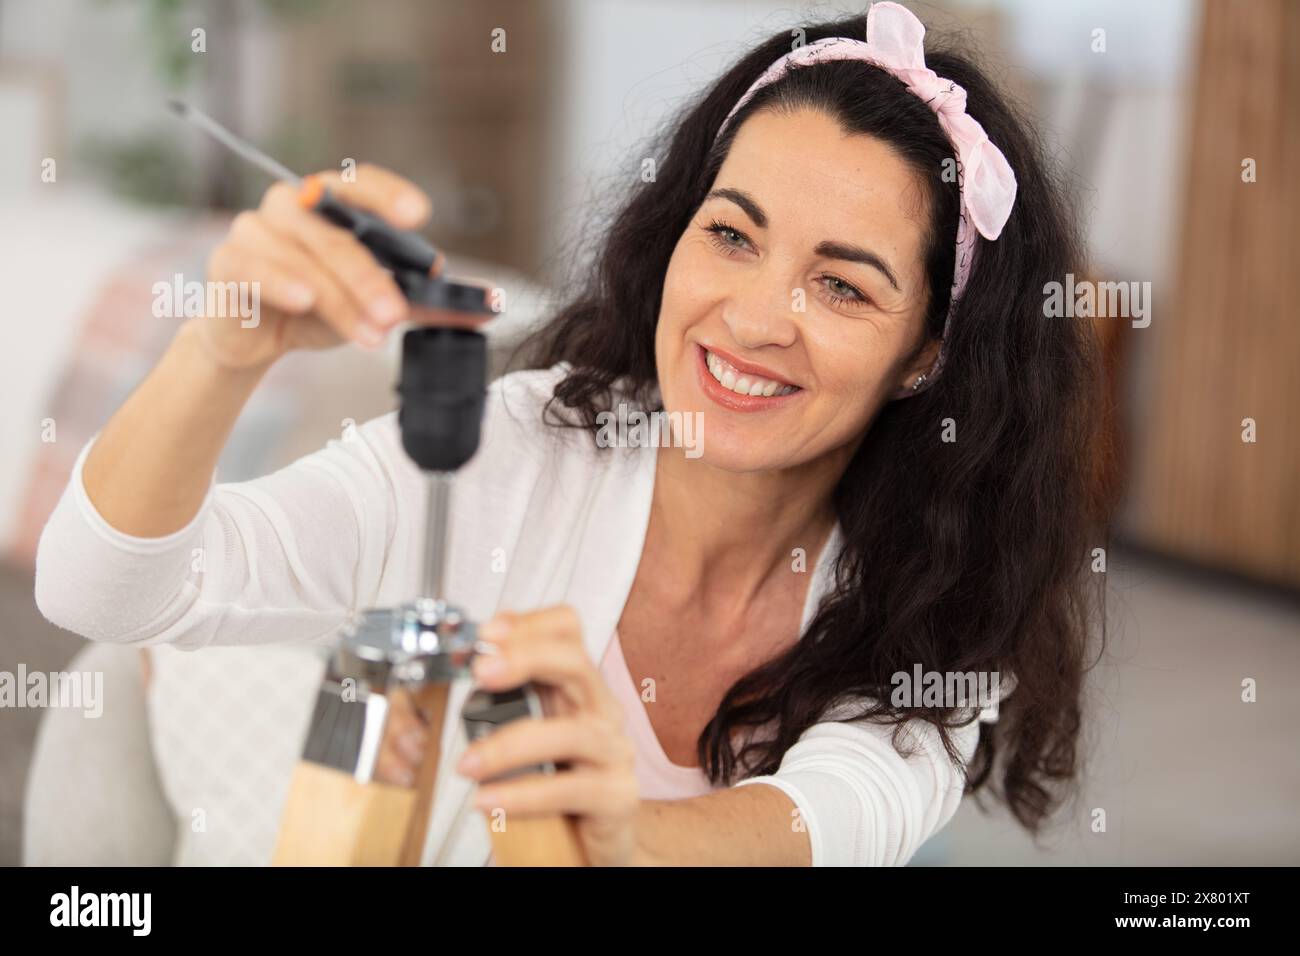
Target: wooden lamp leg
point(543, 841)
point(537, 841)
point(333, 819)
point(431, 699)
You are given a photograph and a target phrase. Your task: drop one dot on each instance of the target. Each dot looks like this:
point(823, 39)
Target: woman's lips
point(731, 399)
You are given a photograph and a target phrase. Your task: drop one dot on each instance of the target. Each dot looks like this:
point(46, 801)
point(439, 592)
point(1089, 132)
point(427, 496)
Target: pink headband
point(896, 43)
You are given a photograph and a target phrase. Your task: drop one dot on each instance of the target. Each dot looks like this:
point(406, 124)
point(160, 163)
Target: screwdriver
point(444, 370)
point(396, 249)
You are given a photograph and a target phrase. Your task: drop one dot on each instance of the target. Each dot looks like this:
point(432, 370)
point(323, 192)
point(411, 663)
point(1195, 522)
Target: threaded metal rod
point(435, 533)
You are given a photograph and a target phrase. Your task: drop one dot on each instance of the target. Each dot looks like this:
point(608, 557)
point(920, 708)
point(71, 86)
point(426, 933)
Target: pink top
point(658, 777)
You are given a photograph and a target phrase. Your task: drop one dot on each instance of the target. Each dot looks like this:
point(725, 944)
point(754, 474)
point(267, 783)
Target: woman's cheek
point(849, 381)
point(691, 294)
point(701, 268)
point(677, 289)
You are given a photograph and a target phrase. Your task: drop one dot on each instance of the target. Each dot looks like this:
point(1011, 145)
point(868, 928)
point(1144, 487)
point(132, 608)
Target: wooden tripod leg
point(550, 841)
point(542, 841)
point(431, 699)
point(537, 841)
point(332, 820)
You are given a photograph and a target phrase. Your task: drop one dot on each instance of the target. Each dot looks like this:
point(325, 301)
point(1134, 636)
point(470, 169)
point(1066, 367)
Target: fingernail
point(470, 763)
point(298, 295)
point(387, 310)
point(412, 744)
point(368, 335)
point(485, 800)
point(410, 206)
point(488, 668)
point(495, 629)
point(406, 778)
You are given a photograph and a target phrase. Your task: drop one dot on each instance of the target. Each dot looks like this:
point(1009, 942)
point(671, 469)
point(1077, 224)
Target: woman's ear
point(919, 366)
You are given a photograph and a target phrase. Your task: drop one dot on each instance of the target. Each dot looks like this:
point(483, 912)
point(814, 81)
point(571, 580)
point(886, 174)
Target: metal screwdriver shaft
point(412, 259)
point(435, 534)
point(232, 142)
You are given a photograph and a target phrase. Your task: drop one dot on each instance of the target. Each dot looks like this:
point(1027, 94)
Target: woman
point(839, 269)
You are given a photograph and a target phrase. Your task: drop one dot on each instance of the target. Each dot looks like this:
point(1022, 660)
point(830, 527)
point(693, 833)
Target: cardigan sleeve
point(285, 557)
point(861, 802)
point(280, 558)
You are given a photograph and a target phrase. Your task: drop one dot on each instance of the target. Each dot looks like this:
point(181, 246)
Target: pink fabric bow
point(896, 43)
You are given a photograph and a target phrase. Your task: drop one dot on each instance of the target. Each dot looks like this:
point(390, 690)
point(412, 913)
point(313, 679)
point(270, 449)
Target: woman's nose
point(763, 309)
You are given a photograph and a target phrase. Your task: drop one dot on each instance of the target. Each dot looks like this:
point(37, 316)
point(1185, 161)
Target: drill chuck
point(443, 390)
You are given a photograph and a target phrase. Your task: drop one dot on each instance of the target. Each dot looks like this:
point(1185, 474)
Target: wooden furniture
point(1226, 349)
point(416, 85)
point(331, 819)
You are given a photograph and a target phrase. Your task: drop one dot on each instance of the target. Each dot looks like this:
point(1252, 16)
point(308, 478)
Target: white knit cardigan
point(539, 517)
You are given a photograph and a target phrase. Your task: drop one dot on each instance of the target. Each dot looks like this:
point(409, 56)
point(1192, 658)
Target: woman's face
point(800, 282)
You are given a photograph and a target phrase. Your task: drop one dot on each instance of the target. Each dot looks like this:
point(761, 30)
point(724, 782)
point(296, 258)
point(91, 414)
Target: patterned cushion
point(227, 725)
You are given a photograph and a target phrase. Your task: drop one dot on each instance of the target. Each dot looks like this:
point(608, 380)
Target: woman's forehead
point(805, 158)
point(810, 177)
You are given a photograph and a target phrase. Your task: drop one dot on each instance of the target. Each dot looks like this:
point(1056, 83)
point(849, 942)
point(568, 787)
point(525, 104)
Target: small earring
point(920, 380)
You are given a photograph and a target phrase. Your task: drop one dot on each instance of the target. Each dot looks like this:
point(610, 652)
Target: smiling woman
point(813, 244)
point(789, 290)
point(838, 273)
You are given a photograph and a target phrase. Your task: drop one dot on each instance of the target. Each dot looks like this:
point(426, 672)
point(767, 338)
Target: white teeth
point(745, 384)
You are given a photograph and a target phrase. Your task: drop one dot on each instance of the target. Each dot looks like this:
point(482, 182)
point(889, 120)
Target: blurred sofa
point(191, 769)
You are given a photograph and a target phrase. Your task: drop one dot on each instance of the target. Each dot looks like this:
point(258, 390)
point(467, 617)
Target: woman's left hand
point(583, 728)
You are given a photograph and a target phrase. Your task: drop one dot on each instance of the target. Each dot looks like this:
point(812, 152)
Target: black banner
point(360, 906)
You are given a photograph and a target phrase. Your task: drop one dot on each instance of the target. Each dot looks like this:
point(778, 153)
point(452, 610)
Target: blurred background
point(524, 139)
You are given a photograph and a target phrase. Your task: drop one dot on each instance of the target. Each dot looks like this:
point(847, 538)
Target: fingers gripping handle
point(528, 841)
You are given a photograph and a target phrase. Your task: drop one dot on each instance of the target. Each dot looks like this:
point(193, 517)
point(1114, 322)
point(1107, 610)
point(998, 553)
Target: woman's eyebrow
point(744, 201)
point(852, 253)
point(828, 248)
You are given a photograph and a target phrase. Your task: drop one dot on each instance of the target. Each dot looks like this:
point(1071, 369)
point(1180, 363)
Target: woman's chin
point(735, 454)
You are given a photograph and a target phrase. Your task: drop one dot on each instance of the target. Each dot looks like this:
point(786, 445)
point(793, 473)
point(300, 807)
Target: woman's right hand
point(319, 286)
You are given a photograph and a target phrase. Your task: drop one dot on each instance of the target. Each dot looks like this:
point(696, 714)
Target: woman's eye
point(725, 237)
point(840, 292)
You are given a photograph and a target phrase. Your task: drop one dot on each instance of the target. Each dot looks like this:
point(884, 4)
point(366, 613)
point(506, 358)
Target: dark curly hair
point(966, 555)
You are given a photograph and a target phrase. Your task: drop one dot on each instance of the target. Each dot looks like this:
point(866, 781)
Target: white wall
point(629, 63)
point(1143, 75)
